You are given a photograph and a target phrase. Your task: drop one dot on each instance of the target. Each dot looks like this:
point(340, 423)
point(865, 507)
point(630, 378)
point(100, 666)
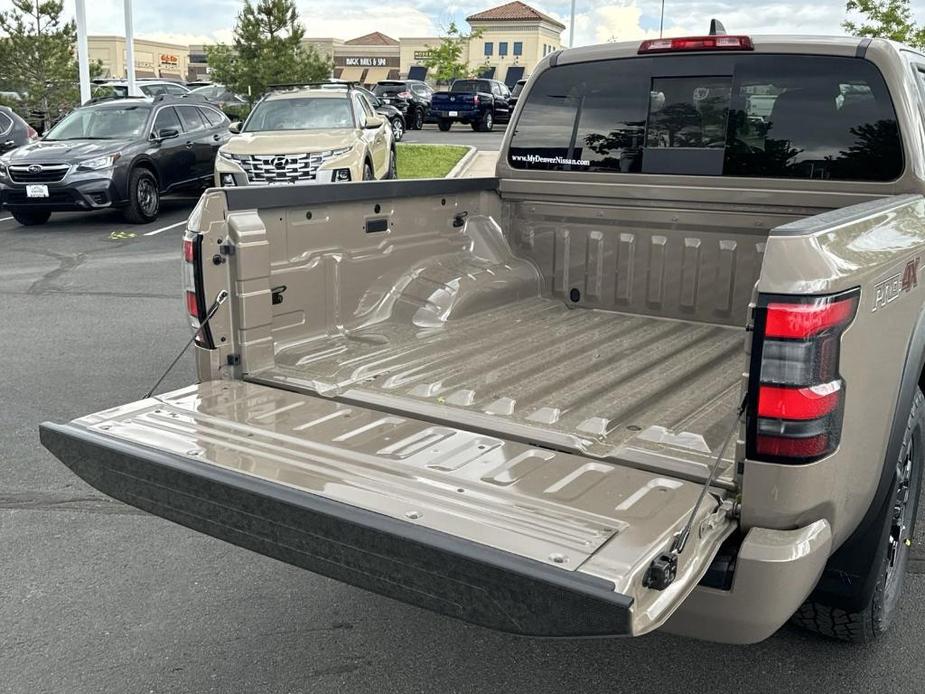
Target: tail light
point(796, 394)
point(31, 133)
point(475, 99)
point(192, 286)
point(404, 95)
point(697, 43)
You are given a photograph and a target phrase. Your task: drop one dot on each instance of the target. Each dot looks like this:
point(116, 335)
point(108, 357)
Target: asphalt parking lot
point(97, 597)
point(458, 135)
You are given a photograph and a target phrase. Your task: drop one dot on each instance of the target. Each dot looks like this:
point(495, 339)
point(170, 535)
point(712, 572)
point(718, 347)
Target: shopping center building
point(510, 40)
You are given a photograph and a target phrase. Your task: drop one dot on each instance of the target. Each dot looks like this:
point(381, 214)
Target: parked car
point(316, 133)
point(14, 131)
point(478, 102)
point(390, 113)
point(668, 380)
point(515, 94)
point(121, 153)
point(150, 88)
point(220, 96)
point(411, 97)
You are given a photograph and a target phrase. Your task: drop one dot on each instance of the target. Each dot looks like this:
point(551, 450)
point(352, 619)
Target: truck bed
point(658, 392)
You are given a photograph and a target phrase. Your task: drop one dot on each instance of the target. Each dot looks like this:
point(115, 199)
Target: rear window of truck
point(470, 86)
point(771, 116)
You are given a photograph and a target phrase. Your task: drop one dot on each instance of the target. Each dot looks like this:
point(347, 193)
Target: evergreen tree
point(37, 59)
point(267, 49)
point(888, 19)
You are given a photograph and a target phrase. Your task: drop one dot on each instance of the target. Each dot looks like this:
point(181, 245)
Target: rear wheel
point(398, 128)
point(417, 122)
point(444, 124)
point(144, 199)
point(487, 124)
point(888, 562)
point(30, 218)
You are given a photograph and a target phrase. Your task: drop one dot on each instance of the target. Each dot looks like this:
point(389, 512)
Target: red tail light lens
point(404, 95)
point(192, 305)
point(189, 250)
point(475, 99)
point(32, 133)
point(697, 43)
point(796, 395)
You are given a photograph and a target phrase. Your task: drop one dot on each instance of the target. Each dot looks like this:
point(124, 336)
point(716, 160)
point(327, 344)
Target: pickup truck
point(663, 371)
point(478, 102)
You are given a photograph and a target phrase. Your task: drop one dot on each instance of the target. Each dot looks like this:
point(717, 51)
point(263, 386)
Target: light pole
point(129, 48)
point(571, 28)
point(661, 21)
point(83, 53)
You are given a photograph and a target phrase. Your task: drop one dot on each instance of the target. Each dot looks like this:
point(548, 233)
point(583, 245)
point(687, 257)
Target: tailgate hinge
point(227, 248)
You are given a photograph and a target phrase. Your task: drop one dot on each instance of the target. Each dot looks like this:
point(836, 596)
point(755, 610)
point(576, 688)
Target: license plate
point(36, 191)
point(453, 114)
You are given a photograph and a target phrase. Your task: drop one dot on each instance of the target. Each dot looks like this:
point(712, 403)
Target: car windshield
point(104, 123)
point(304, 113)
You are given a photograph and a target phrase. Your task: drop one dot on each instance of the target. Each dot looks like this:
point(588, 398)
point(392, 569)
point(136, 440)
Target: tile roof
point(513, 11)
point(374, 39)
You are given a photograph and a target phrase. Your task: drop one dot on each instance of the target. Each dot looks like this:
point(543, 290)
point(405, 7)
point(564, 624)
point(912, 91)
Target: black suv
point(14, 131)
point(411, 97)
point(122, 153)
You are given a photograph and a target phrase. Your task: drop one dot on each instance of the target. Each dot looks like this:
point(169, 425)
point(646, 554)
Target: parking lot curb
point(463, 163)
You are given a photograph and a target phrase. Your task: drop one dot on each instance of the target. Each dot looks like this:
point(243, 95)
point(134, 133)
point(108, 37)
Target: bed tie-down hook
point(664, 568)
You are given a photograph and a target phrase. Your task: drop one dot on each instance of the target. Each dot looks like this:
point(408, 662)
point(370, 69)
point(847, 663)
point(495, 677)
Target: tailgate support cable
point(663, 569)
point(219, 300)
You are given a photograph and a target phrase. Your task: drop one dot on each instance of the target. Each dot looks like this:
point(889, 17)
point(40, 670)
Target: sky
point(596, 21)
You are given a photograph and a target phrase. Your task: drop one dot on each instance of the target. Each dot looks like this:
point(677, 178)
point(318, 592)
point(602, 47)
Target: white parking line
point(5, 219)
point(158, 231)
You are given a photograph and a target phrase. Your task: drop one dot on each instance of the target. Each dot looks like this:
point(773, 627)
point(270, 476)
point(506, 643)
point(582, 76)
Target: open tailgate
point(494, 532)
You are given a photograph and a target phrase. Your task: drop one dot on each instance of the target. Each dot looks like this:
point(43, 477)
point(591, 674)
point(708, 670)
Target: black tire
point(888, 562)
point(444, 125)
point(30, 218)
point(398, 128)
point(144, 199)
point(367, 172)
point(392, 173)
point(487, 122)
point(417, 121)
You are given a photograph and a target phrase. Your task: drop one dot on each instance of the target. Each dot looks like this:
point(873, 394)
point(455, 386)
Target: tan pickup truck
point(662, 371)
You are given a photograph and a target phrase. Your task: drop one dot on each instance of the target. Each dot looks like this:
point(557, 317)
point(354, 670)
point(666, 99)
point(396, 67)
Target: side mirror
point(167, 133)
point(371, 122)
point(235, 127)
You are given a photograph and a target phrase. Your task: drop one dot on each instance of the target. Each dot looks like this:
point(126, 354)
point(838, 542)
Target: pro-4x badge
point(889, 290)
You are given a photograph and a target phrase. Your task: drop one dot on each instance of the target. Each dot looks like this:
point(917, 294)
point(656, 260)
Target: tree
point(446, 59)
point(37, 58)
point(267, 49)
point(888, 19)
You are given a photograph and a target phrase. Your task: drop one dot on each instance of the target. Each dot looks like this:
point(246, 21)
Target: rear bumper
point(775, 572)
point(414, 564)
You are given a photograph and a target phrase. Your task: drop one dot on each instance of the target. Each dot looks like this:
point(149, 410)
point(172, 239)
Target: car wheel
point(30, 218)
point(367, 172)
point(144, 199)
point(418, 122)
point(398, 128)
point(488, 122)
point(888, 562)
point(444, 125)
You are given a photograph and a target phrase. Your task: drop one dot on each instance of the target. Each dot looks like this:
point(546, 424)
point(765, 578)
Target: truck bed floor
point(659, 392)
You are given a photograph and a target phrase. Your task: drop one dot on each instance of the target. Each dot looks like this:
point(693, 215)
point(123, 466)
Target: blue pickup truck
point(478, 102)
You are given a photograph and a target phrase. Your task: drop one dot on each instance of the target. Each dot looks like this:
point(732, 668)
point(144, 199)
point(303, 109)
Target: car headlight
point(331, 153)
point(98, 163)
point(3, 171)
point(225, 155)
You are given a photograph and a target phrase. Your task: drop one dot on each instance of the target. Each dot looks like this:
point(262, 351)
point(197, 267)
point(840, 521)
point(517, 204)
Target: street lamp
point(83, 53)
point(571, 28)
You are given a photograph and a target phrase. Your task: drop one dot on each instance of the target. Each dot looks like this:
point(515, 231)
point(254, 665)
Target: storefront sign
point(169, 60)
point(366, 62)
point(423, 55)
